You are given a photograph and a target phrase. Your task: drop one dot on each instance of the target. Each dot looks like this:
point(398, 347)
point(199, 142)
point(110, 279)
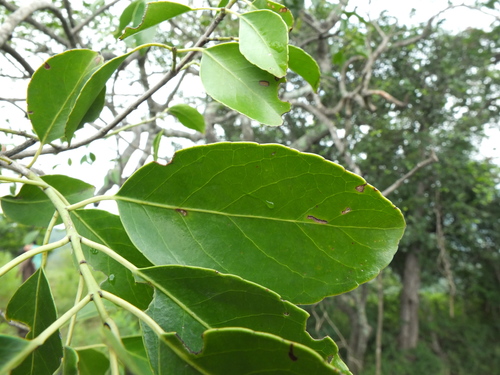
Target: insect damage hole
point(311, 217)
point(181, 211)
point(291, 355)
point(361, 188)
point(348, 209)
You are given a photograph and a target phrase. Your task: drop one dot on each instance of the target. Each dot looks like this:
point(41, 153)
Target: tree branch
point(432, 159)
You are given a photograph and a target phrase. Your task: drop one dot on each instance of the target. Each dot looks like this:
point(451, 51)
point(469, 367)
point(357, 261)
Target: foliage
point(212, 251)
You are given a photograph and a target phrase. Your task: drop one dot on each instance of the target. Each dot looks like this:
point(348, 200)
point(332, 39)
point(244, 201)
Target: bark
point(408, 335)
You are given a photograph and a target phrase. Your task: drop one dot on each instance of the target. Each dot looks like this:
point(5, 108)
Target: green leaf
point(12, 351)
point(188, 116)
point(70, 361)
point(222, 3)
point(293, 222)
point(226, 75)
point(190, 300)
point(33, 305)
point(32, 207)
point(91, 95)
point(92, 362)
point(305, 66)
point(54, 89)
point(133, 362)
point(107, 229)
point(280, 9)
point(264, 41)
point(157, 12)
point(156, 144)
point(134, 10)
point(244, 352)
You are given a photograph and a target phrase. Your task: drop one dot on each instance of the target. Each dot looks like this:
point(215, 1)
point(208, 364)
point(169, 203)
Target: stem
point(46, 238)
point(28, 254)
point(37, 154)
point(72, 322)
point(109, 252)
point(85, 202)
point(50, 330)
point(23, 181)
point(134, 310)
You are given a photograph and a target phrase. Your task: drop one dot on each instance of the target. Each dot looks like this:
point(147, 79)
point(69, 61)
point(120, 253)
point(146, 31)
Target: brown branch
point(132, 107)
point(11, 51)
point(432, 159)
point(87, 20)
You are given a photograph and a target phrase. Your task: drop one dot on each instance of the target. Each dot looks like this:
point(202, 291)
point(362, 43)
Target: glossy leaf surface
point(105, 228)
point(230, 79)
point(54, 89)
point(190, 300)
point(305, 66)
point(157, 12)
point(32, 207)
point(264, 41)
point(280, 9)
point(188, 116)
point(295, 223)
point(242, 351)
point(33, 305)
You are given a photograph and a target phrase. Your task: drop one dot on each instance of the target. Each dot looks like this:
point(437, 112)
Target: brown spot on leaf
point(375, 189)
point(348, 209)
point(311, 217)
point(46, 66)
point(264, 83)
point(361, 188)
point(181, 211)
point(283, 10)
point(291, 355)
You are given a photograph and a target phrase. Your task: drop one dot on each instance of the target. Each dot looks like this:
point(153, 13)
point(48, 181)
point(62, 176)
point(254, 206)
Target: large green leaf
point(33, 305)
point(280, 9)
point(305, 66)
point(105, 228)
point(264, 41)
point(32, 207)
point(70, 361)
point(12, 351)
point(190, 300)
point(54, 89)
point(293, 222)
point(230, 79)
point(130, 14)
point(135, 363)
point(242, 351)
point(188, 116)
point(157, 12)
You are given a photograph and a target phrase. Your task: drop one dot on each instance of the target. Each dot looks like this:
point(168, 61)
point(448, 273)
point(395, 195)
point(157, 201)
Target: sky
point(456, 20)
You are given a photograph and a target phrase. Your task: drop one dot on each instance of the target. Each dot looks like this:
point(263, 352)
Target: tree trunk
point(408, 335)
point(360, 330)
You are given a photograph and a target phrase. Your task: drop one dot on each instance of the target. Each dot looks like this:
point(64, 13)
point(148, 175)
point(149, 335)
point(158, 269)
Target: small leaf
point(226, 75)
point(189, 300)
point(264, 41)
point(54, 89)
point(70, 361)
point(156, 144)
point(130, 14)
point(105, 228)
point(12, 351)
point(33, 305)
point(32, 207)
point(157, 12)
point(297, 219)
point(280, 9)
point(305, 66)
point(244, 352)
point(133, 362)
point(92, 362)
point(188, 116)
